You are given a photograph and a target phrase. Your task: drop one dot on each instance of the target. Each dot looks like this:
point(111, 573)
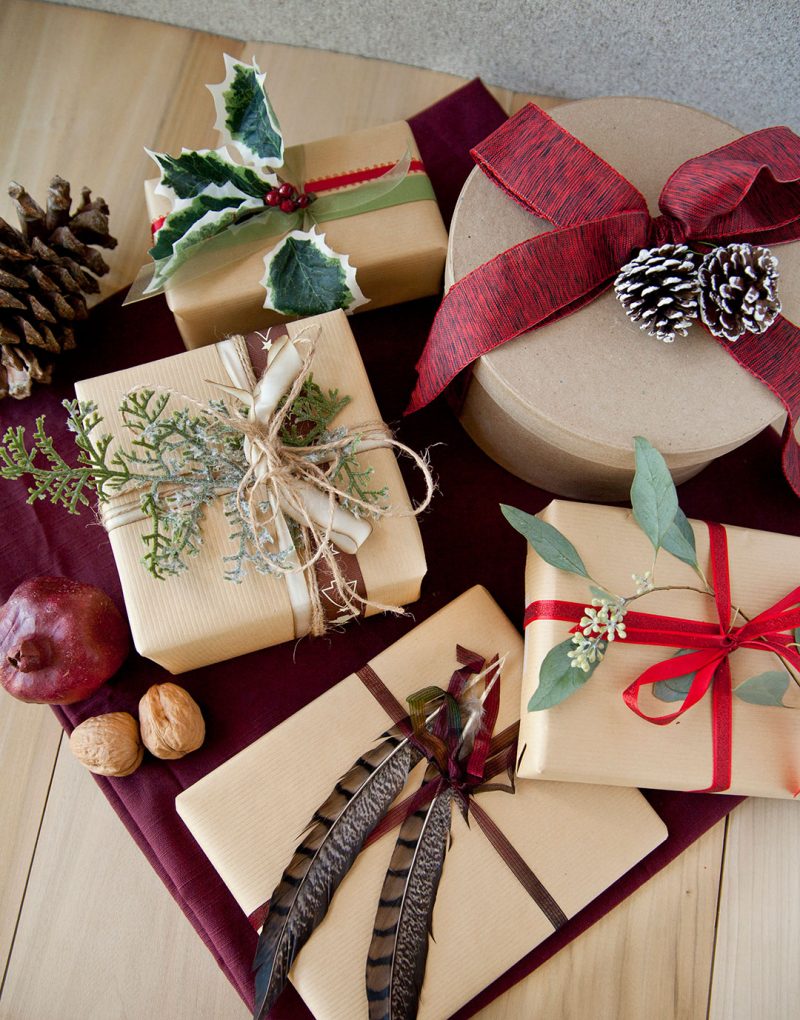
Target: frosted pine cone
point(739, 290)
point(658, 289)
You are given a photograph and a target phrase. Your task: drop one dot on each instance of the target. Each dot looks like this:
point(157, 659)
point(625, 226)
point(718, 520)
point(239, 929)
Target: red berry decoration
point(272, 197)
point(303, 202)
point(286, 190)
point(287, 205)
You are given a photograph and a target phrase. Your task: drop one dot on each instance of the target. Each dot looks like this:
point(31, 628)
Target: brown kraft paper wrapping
point(249, 813)
point(398, 252)
point(198, 617)
point(593, 734)
point(559, 406)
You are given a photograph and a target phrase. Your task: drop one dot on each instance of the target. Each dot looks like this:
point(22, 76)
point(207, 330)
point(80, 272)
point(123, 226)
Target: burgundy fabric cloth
point(466, 540)
point(748, 190)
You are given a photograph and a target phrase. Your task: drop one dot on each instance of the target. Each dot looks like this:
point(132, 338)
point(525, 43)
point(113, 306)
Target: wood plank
point(755, 968)
point(100, 936)
point(650, 957)
point(29, 739)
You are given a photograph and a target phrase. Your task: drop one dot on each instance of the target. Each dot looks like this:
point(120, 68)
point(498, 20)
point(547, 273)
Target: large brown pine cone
point(45, 269)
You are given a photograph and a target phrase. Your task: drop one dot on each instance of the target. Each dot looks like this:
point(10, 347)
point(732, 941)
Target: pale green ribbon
point(241, 240)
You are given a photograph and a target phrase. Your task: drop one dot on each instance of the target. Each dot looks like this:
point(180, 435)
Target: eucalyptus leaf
point(765, 689)
point(677, 688)
point(679, 539)
point(245, 116)
point(304, 276)
point(653, 496)
point(796, 637)
point(190, 173)
point(558, 678)
point(548, 541)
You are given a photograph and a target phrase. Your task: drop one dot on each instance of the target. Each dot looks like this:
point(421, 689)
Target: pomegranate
point(59, 640)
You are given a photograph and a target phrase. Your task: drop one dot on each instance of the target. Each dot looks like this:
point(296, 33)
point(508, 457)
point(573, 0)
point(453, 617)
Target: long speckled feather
point(399, 948)
point(334, 839)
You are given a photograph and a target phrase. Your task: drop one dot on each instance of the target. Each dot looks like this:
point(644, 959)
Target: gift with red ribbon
point(752, 747)
point(747, 190)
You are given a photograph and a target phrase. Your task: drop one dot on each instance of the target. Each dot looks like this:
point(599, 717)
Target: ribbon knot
point(665, 229)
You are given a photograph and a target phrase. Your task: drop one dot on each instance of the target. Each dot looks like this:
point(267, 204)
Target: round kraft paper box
point(559, 406)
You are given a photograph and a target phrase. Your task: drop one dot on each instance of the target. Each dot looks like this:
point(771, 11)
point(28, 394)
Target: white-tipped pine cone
point(738, 290)
point(658, 289)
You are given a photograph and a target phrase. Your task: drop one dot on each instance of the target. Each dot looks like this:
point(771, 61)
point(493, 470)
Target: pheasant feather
point(399, 948)
point(335, 836)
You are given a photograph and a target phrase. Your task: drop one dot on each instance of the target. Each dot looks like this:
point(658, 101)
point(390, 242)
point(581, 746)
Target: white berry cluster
point(602, 622)
point(643, 582)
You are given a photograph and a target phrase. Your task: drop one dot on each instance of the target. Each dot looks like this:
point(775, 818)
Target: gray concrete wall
point(737, 59)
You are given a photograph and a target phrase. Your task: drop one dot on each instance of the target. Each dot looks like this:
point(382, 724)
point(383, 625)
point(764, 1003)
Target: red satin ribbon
point(713, 643)
point(747, 190)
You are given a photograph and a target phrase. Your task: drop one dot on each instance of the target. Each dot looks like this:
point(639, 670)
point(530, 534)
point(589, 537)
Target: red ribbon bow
point(712, 644)
point(747, 190)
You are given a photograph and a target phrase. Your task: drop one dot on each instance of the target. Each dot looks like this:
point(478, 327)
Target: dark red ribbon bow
point(747, 190)
point(712, 644)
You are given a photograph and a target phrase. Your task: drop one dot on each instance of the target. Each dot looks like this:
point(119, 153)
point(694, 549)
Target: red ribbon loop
point(747, 190)
point(713, 643)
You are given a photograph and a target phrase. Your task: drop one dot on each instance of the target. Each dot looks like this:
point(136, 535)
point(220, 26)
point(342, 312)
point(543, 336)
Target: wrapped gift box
point(560, 405)
point(198, 617)
point(398, 252)
point(593, 734)
point(248, 815)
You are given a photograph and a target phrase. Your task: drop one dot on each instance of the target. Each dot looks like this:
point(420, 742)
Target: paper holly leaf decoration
point(305, 276)
point(187, 175)
point(245, 117)
point(193, 221)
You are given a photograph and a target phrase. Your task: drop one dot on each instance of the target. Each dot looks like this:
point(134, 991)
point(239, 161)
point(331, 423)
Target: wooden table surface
point(86, 929)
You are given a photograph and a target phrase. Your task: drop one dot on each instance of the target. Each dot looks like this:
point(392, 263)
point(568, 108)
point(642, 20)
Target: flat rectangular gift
point(397, 245)
point(249, 814)
point(198, 616)
point(753, 736)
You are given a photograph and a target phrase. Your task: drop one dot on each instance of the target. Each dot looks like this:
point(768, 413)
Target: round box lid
point(591, 381)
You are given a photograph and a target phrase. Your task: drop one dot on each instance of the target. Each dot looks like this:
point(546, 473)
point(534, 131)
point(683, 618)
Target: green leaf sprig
point(567, 666)
point(178, 463)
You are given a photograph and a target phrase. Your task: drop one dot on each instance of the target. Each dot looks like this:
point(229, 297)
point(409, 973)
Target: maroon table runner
point(466, 540)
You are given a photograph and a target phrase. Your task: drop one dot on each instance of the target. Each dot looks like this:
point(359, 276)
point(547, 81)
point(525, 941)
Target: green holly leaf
point(558, 678)
point(189, 174)
point(548, 541)
point(653, 496)
point(192, 222)
point(677, 688)
point(679, 539)
point(304, 276)
point(765, 689)
point(244, 114)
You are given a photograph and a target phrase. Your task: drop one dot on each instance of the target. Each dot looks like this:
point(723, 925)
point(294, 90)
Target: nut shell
point(108, 745)
point(171, 722)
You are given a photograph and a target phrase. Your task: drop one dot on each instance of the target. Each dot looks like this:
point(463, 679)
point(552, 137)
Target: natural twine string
point(279, 472)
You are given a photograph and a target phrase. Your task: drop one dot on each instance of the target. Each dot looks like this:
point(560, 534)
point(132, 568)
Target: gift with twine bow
point(753, 746)
point(539, 881)
point(744, 191)
point(316, 551)
point(230, 240)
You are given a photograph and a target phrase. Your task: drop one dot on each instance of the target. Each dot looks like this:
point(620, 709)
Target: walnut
point(172, 724)
point(108, 744)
